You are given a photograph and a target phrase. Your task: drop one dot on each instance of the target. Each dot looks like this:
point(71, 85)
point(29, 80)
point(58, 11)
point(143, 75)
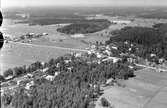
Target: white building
point(70, 68)
point(108, 47)
point(58, 65)
point(109, 81)
point(78, 54)
point(131, 67)
point(114, 59)
point(50, 77)
point(9, 77)
point(126, 42)
point(29, 75)
point(130, 49)
point(45, 69)
point(152, 55)
point(161, 60)
point(109, 53)
point(67, 61)
point(93, 46)
point(89, 52)
point(44, 34)
point(18, 82)
point(57, 73)
point(114, 47)
point(98, 55)
point(28, 85)
point(121, 21)
point(78, 36)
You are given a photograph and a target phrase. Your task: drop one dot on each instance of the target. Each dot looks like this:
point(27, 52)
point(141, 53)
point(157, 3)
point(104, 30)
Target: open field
point(16, 55)
point(147, 90)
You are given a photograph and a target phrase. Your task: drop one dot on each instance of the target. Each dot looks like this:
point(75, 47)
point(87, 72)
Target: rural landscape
point(84, 57)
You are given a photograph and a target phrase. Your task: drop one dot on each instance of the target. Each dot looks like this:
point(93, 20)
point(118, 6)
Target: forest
point(145, 41)
point(86, 26)
point(75, 88)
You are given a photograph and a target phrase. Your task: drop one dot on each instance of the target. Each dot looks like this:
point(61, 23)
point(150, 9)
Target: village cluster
point(98, 53)
point(26, 38)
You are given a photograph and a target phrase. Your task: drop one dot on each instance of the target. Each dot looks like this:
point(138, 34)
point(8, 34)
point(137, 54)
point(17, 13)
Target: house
point(99, 55)
point(43, 63)
point(70, 68)
point(102, 47)
point(29, 75)
point(29, 40)
point(31, 34)
point(16, 40)
point(45, 69)
point(114, 47)
point(124, 54)
point(131, 60)
point(126, 42)
point(92, 51)
point(67, 61)
point(93, 47)
point(44, 34)
point(114, 59)
point(50, 77)
point(130, 49)
point(28, 85)
point(152, 55)
point(9, 77)
point(108, 47)
point(131, 45)
point(18, 82)
point(161, 60)
point(57, 73)
point(131, 67)
point(89, 52)
point(121, 21)
point(109, 81)
point(99, 62)
point(78, 54)
point(109, 53)
point(93, 85)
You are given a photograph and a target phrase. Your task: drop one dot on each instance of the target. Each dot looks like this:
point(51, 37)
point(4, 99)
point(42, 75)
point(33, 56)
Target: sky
point(24, 3)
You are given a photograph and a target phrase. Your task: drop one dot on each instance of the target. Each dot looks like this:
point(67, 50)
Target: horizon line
point(83, 6)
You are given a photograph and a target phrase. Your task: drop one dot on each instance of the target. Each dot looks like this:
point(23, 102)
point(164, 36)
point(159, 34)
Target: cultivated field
point(147, 90)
